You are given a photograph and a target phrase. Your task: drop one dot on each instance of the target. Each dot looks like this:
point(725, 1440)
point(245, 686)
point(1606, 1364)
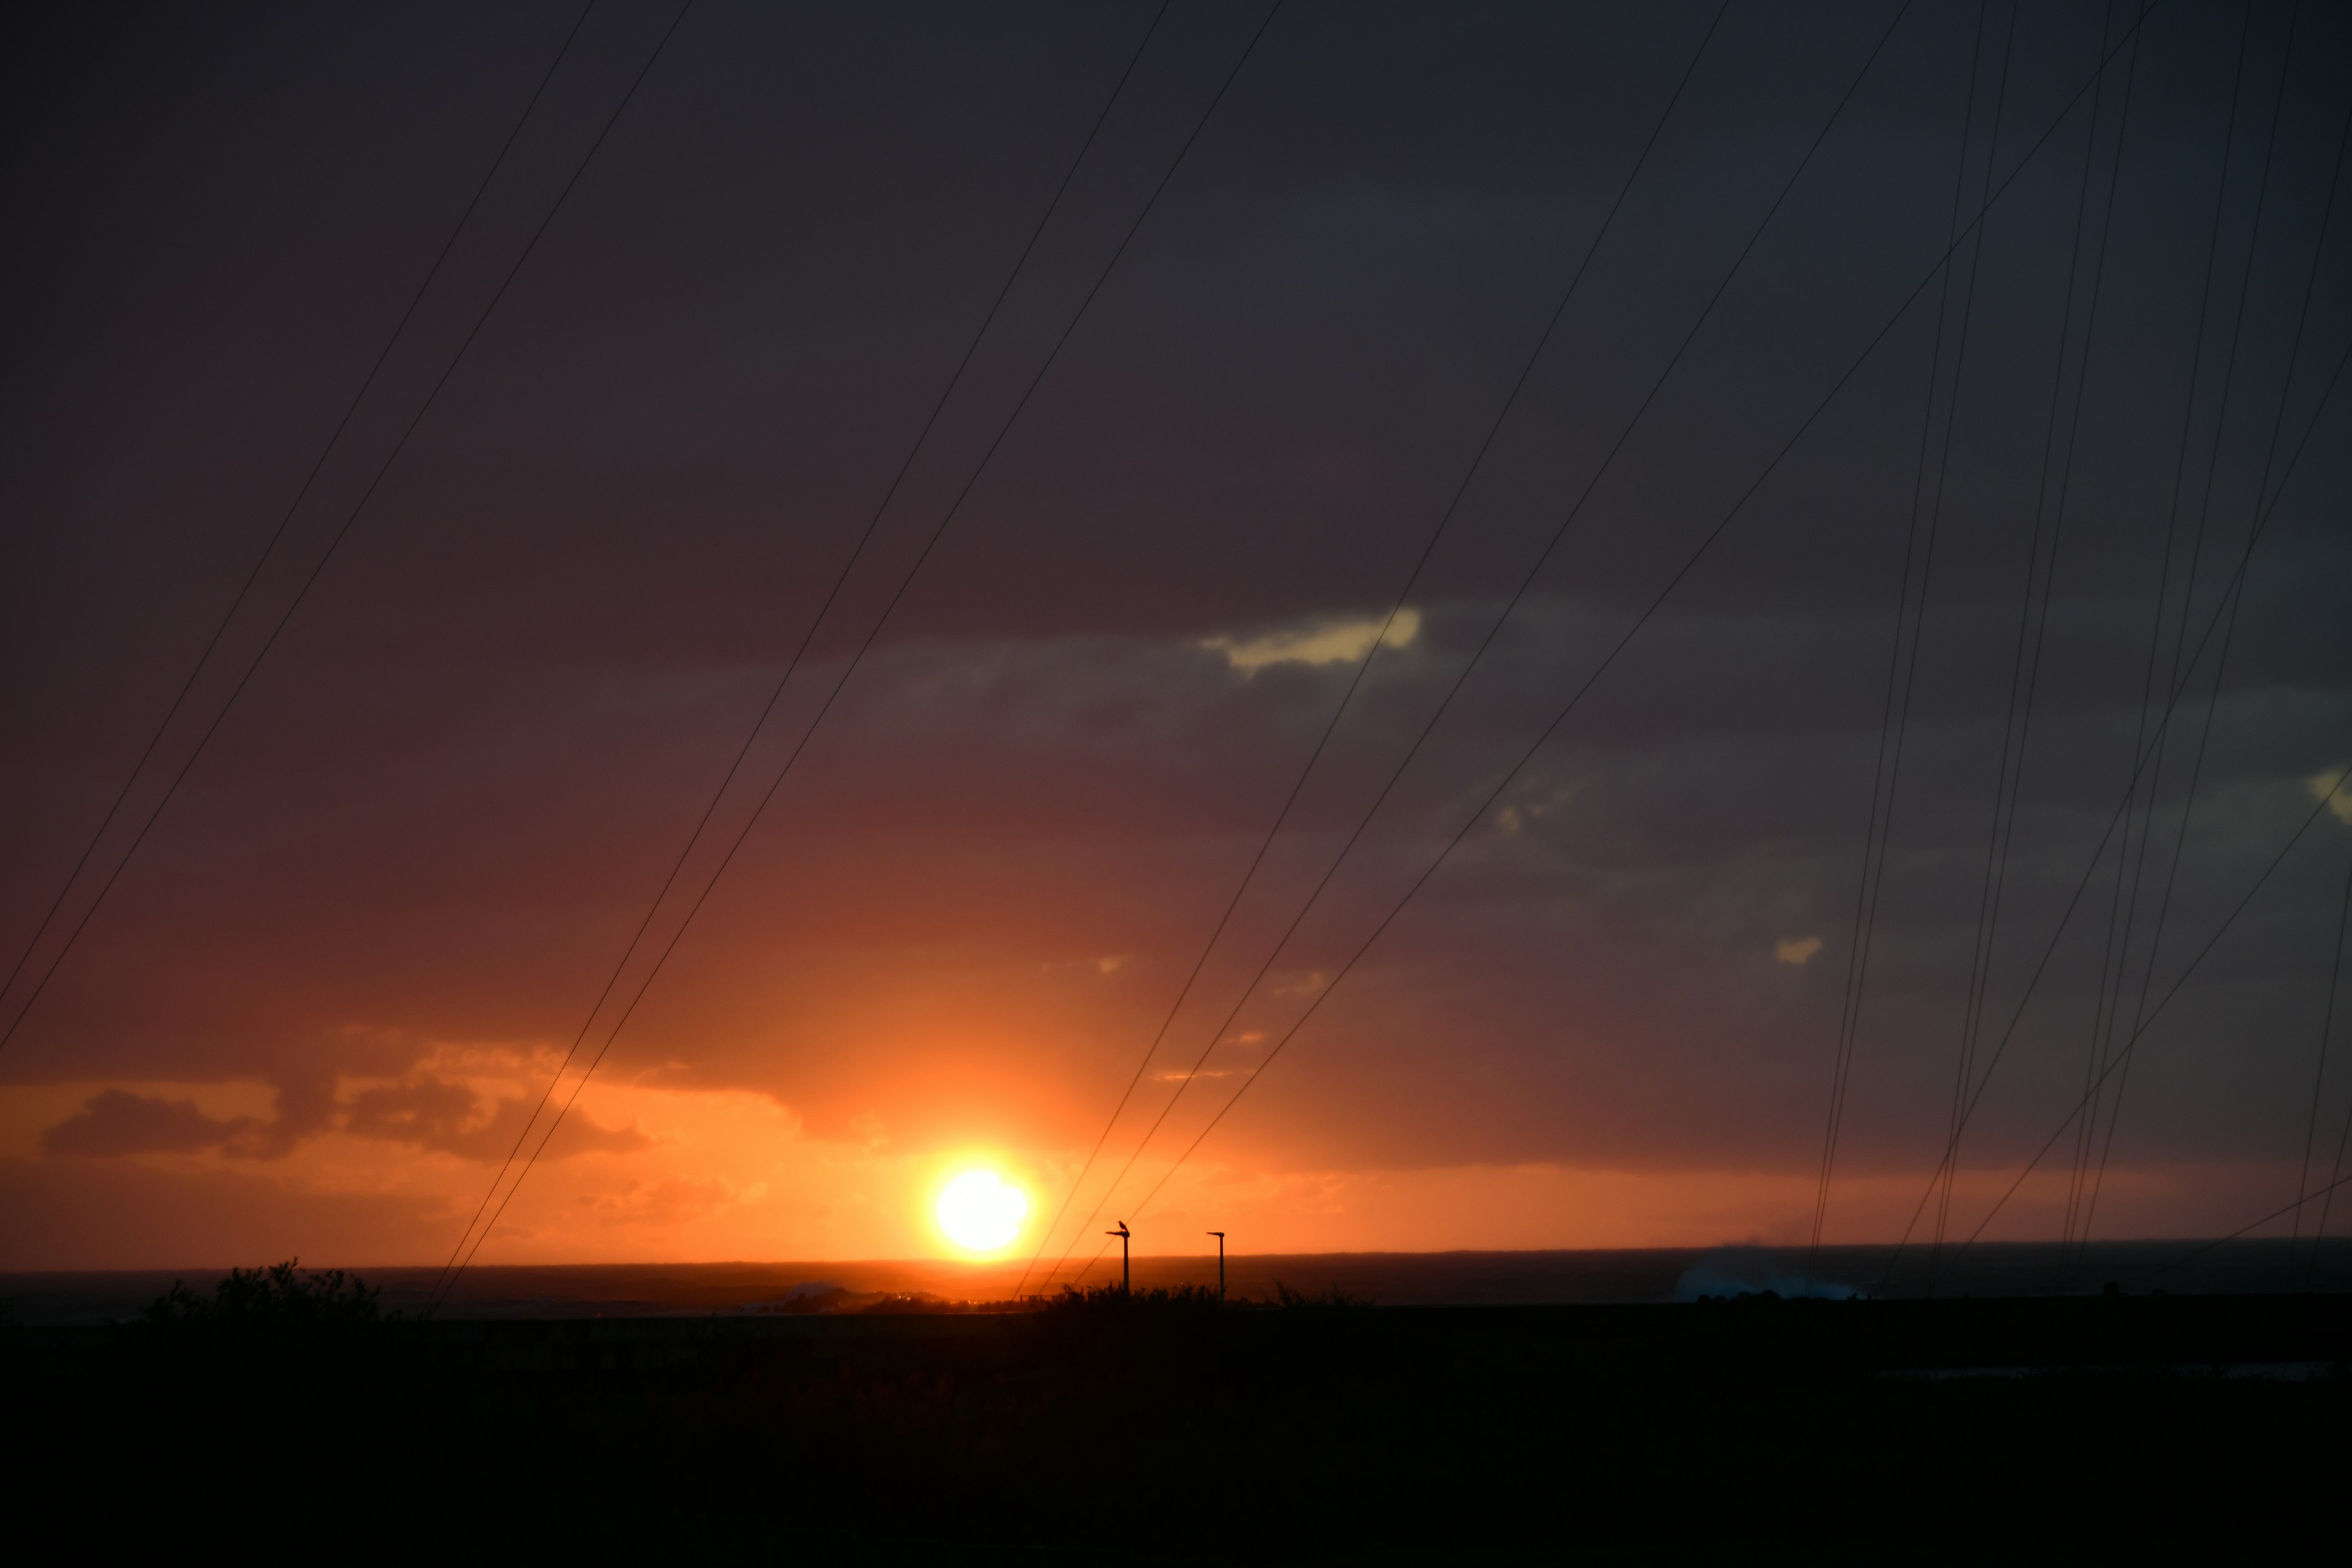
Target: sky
point(314, 1010)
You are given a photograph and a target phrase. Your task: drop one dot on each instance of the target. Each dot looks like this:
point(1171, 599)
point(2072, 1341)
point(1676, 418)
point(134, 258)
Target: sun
point(981, 1211)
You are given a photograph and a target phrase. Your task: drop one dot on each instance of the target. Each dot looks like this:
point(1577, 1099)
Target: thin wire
point(2335, 1178)
point(343, 533)
point(2127, 905)
point(1885, 776)
point(2319, 1076)
point(1688, 565)
point(2075, 424)
point(1944, 461)
point(2103, 1015)
point(2231, 588)
point(776, 694)
point(2327, 1192)
point(2326, 216)
point(1397, 603)
point(857, 658)
point(1496, 793)
point(2025, 665)
point(2286, 390)
point(278, 535)
point(2220, 664)
point(1850, 1022)
point(2132, 1044)
point(1495, 629)
point(2231, 598)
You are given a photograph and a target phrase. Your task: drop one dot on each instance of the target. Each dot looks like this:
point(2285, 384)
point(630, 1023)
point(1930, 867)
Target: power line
point(2026, 662)
point(2319, 1074)
point(2132, 1044)
point(2228, 631)
point(2335, 1177)
point(1397, 603)
point(1885, 773)
point(791, 666)
point(2327, 215)
point(2231, 589)
point(1943, 479)
point(2124, 907)
point(2327, 1192)
point(2234, 585)
point(1527, 582)
point(1689, 565)
point(2115, 182)
point(858, 658)
point(343, 533)
point(277, 535)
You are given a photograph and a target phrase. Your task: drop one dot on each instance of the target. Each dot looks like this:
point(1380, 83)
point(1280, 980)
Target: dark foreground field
point(2124, 1429)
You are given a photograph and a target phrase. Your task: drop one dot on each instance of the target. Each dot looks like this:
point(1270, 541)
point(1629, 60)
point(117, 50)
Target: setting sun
point(980, 1212)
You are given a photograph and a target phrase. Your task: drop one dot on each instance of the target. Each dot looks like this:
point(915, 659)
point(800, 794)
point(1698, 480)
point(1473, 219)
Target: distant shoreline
point(1394, 1278)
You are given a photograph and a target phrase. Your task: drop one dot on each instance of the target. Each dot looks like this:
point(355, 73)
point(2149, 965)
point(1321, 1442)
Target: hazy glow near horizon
point(981, 1211)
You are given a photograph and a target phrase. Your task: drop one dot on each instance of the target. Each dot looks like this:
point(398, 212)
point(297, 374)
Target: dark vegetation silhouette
point(285, 1406)
point(1164, 1302)
point(284, 1298)
point(281, 1322)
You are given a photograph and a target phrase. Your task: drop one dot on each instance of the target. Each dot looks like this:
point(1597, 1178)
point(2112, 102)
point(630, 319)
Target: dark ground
point(1159, 1429)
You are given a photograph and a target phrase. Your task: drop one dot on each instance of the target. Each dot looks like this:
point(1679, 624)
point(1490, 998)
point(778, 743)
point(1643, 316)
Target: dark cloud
point(432, 1113)
point(424, 1112)
point(114, 1123)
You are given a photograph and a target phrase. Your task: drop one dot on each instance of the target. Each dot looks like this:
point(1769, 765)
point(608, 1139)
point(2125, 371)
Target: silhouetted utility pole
point(1125, 1279)
point(1221, 1264)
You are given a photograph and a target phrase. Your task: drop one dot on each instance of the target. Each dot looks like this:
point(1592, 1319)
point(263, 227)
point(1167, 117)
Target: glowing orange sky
point(660, 1174)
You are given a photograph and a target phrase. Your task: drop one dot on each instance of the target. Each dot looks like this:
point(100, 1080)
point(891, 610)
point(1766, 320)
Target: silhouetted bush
point(283, 1321)
point(1109, 1301)
point(282, 1297)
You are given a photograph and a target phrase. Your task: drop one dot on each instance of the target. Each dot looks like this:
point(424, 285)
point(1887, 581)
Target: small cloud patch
point(1322, 642)
point(1797, 950)
point(2323, 786)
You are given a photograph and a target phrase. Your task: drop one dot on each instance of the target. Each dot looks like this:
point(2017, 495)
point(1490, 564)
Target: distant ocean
point(1386, 1278)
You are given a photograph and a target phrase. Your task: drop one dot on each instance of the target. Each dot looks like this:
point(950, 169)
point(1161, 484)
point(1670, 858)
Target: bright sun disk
point(981, 1211)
